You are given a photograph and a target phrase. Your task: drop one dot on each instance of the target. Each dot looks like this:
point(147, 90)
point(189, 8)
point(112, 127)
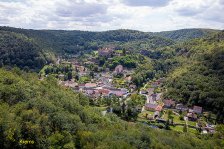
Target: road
point(58, 61)
point(186, 121)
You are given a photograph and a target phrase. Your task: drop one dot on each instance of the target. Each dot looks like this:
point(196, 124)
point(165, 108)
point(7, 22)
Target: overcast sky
point(100, 15)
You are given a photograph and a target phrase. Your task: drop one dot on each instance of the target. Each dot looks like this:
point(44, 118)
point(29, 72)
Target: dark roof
point(197, 109)
point(151, 106)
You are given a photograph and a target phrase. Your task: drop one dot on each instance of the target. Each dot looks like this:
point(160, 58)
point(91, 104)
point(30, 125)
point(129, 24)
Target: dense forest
point(199, 77)
point(21, 51)
point(50, 116)
point(31, 49)
point(73, 42)
point(186, 34)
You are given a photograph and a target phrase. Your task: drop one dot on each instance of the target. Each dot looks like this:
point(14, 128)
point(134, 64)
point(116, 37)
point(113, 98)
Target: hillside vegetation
point(19, 50)
point(199, 77)
point(186, 34)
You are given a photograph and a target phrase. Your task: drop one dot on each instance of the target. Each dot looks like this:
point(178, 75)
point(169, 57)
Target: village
point(156, 112)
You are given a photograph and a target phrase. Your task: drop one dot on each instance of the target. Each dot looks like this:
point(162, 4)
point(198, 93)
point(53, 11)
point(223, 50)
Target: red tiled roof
point(103, 91)
point(90, 85)
point(159, 108)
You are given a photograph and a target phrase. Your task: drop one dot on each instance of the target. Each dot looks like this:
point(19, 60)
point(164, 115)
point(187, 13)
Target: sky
point(101, 15)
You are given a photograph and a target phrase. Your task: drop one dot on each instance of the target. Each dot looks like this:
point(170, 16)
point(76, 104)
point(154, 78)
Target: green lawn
point(192, 130)
point(119, 82)
point(177, 128)
point(142, 114)
point(176, 118)
point(84, 79)
point(191, 123)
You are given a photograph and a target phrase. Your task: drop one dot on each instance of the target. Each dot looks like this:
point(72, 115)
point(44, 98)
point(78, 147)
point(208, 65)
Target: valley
point(113, 91)
point(121, 88)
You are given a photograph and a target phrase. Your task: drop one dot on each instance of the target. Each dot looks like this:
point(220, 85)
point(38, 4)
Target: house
point(197, 109)
point(124, 90)
point(132, 86)
point(70, 84)
point(143, 92)
point(158, 97)
point(106, 52)
point(118, 69)
point(128, 79)
point(150, 107)
point(169, 103)
point(89, 91)
point(156, 114)
point(155, 84)
point(192, 116)
point(104, 92)
point(154, 97)
point(90, 85)
point(96, 94)
point(210, 128)
point(150, 91)
point(181, 107)
point(159, 108)
point(153, 107)
point(117, 92)
point(81, 86)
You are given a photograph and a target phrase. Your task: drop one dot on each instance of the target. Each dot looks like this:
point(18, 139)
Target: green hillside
point(199, 77)
point(73, 42)
point(186, 34)
point(19, 50)
point(31, 49)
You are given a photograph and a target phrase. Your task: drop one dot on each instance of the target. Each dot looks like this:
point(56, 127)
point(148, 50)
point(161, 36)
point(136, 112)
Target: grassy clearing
point(143, 114)
point(177, 128)
point(191, 123)
point(176, 118)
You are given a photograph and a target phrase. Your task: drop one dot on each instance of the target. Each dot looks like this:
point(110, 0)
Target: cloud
point(80, 9)
point(98, 15)
point(150, 3)
point(189, 11)
point(207, 10)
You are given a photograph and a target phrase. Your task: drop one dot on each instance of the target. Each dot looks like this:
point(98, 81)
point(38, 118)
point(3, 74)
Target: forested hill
point(186, 34)
point(19, 50)
point(31, 49)
point(50, 116)
point(199, 77)
point(72, 42)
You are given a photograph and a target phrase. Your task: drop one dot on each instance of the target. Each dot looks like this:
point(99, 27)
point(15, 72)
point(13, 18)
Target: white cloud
point(145, 15)
point(150, 3)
